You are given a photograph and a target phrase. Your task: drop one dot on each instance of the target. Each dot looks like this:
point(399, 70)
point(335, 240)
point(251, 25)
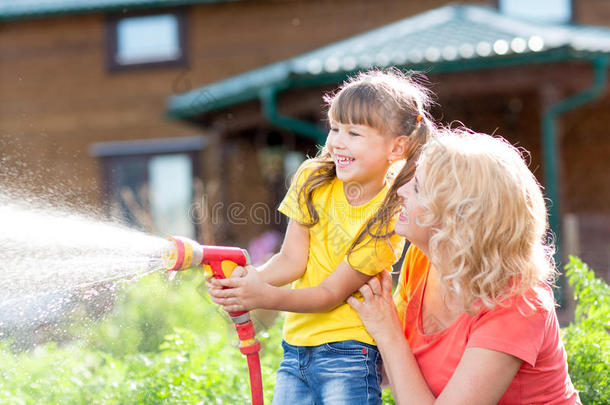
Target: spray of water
point(62, 264)
point(51, 257)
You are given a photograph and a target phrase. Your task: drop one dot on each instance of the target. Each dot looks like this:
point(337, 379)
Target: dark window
point(549, 11)
point(151, 187)
point(146, 40)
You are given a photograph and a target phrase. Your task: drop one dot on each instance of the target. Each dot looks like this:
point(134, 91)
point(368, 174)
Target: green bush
point(186, 370)
point(164, 343)
point(586, 339)
point(152, 308)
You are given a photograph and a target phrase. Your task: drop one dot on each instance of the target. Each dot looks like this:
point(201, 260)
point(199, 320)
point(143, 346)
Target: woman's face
point(411, 213)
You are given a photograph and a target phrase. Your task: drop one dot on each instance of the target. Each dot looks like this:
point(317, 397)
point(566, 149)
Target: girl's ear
point(399, 148)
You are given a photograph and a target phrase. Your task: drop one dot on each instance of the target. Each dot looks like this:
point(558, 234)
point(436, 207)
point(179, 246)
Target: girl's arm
point(481, 377)
point(251, 292)
point(291, 261)
point(282, 268)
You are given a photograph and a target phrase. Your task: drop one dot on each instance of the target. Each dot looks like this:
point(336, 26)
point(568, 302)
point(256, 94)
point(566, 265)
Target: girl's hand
point(213, 288)
point(243, 291)
point(377, 310)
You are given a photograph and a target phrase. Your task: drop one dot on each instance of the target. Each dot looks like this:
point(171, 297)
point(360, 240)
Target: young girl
point(342, 212)
point(479, 323)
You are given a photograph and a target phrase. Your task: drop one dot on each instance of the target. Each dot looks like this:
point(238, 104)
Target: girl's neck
point(359, 194)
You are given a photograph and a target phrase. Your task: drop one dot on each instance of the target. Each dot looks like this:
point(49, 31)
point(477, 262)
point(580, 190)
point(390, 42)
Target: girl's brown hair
point(393, 103)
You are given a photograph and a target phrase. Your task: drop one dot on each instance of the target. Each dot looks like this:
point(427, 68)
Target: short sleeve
point(290, 205)
point(373, 256)
point(506, 330)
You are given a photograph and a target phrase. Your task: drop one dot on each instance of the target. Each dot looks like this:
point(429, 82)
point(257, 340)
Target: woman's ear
point(399, 148)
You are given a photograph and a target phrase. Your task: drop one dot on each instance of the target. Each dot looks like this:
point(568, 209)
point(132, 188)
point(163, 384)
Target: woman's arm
point(481, 377)
point(251, 292)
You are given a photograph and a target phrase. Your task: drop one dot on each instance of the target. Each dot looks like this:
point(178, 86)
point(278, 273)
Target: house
point(195, 129)
point(79, 78)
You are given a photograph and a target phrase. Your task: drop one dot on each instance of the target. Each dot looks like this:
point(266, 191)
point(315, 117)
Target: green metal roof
point(448, 38)
point(20, 9)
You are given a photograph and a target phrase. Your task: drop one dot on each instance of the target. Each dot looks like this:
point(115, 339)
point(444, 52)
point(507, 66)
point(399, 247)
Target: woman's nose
point(402, 190)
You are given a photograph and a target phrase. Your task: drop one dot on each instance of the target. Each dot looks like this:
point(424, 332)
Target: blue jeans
point(338, 373)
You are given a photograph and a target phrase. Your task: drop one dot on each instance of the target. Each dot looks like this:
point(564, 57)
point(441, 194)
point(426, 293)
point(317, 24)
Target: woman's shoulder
point(539, 300)
point(519, 325)
point(534, 305)
point(415, 260)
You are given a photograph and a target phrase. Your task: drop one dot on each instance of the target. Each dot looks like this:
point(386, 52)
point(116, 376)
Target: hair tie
point(419, 118)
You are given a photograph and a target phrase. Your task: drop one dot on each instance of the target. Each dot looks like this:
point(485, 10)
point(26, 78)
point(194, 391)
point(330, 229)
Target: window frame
point(107, 153)
point(112, 22)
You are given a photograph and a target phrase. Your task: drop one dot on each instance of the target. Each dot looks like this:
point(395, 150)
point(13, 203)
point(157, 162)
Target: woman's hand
point(380, 318)
point(243, 291)
point(377, 310)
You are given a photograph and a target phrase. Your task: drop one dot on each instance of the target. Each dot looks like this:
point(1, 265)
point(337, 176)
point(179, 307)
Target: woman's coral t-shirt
point(534, 338)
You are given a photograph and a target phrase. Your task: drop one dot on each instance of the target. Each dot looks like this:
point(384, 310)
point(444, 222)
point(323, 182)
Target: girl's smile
point(343, 161)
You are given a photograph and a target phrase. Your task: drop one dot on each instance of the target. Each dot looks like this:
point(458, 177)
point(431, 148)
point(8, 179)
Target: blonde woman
point(476, 320)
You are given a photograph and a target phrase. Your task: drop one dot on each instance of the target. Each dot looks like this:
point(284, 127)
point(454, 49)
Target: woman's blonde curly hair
point(488, 218)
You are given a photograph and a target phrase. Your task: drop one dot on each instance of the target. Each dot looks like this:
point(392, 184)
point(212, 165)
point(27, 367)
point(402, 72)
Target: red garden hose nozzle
point(219, 262)
point(185, 253)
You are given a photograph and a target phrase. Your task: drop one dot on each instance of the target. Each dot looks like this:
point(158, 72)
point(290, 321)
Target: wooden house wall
point(57, 95)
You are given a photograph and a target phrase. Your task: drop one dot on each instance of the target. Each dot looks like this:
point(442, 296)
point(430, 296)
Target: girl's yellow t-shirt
point(329, 241)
